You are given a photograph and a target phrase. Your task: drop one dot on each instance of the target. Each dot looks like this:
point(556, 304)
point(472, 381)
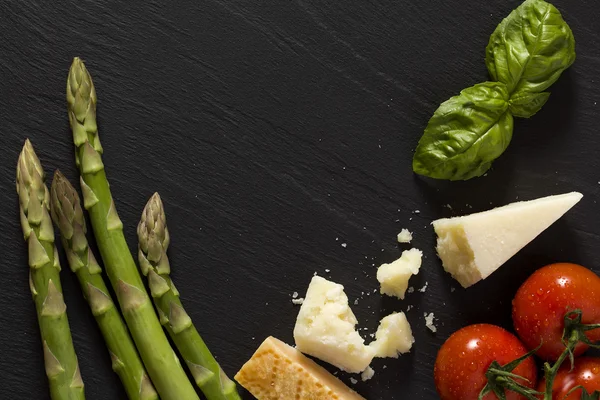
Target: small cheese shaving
point(405, 236)
point(367, 374)
point(424, 288)
point(294, 295)
point(299, 301)
point(353, 381)
point(429, 322)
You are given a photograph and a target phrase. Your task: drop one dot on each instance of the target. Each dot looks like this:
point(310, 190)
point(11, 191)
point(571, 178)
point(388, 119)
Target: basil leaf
point(525, 105)
point(530, 48)
point(466, 133)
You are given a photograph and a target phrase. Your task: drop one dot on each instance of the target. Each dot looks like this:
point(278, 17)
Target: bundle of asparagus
point(139, 344)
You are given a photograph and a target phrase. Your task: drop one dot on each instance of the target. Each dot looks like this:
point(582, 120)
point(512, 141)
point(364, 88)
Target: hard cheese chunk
point(325, 328)
point(393, 336)
point(474, 246)
point(277, 371)
point(394, 277)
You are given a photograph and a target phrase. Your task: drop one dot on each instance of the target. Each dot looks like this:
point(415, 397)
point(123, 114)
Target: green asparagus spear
point(60, 359)
point(67, 214)
point(160, 360)
point(153, 238)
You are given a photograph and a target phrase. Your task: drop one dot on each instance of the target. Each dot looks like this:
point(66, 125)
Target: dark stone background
point(276, 131)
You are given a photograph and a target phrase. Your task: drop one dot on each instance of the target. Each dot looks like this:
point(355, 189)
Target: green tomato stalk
point(60, 360)
point(154, 240)
point(501, 378)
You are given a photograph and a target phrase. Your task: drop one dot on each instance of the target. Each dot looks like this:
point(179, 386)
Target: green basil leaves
point(526, 54)
point(466, 134)
point(530, 48)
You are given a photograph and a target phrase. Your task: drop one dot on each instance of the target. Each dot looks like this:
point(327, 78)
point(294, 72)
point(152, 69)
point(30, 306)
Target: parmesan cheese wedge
point(473, 246)
point(277, 371)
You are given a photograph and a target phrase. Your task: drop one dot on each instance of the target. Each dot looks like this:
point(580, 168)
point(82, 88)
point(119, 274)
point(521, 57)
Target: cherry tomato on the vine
point(464, 358)
point(543, 300)
point(586, 373)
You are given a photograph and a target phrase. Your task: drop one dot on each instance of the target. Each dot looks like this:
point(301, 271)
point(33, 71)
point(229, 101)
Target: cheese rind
point(277, 371)
point(393, 336)
point(325, 328)
point(473, 246)
point(394, 277)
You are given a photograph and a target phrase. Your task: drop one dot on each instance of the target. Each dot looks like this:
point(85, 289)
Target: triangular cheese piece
point(473, 246)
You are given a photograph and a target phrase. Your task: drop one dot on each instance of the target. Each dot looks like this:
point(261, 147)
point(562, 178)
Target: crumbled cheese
point(424, 288)
point(353, 381)
point(394, 277)
point(410, 289)
point(452, 289)
point(405, 236)
point(393, 336)
point(294, 295)
point(429, 322)
point(367, 374)
point(326, 328)
point(327, 270)
point(344, 245)
point(408, 308)
point(299, 301)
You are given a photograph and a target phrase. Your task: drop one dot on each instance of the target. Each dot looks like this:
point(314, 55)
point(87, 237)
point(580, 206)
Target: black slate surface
point(277, 132)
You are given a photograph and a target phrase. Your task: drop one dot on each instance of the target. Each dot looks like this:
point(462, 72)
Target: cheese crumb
point(411, 289)
point(429, 322)
point(405, 236)
point(353, 381)
point(424, 288)
point(393, 336)
point(294, 295)
point(367, 374)
point(394, 277)
point(299, 301)
point(344, 245)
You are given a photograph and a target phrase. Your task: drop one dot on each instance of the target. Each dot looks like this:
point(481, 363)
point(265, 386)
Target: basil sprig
point(526, 54)
point(466, 133)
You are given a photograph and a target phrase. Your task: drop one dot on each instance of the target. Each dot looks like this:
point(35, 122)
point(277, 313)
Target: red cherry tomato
point(544, 298)
point(463, 360)
point(586, 373)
